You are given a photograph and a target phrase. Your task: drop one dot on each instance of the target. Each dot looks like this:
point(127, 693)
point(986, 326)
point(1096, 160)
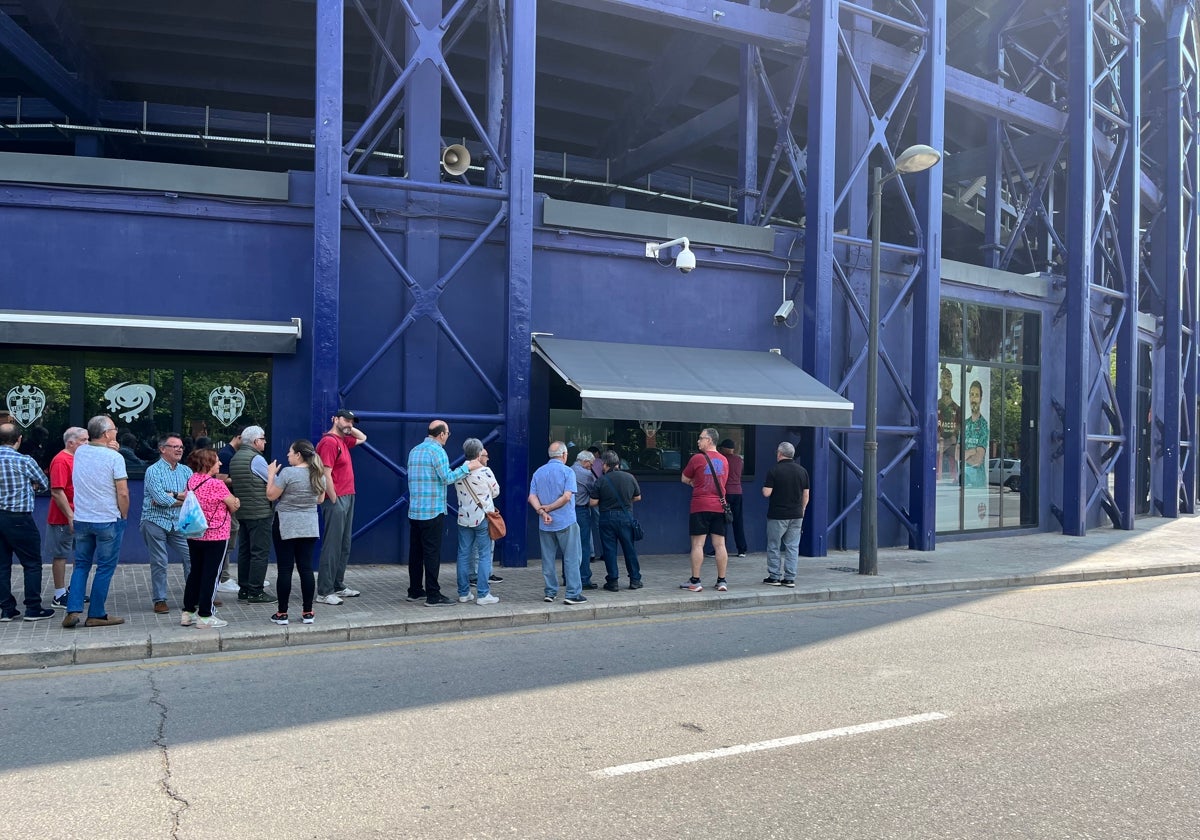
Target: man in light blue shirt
point(163, 492)
point(429, 475)
point(552, 494)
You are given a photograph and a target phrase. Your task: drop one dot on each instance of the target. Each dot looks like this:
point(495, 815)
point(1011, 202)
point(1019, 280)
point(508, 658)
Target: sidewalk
point(1156, 547)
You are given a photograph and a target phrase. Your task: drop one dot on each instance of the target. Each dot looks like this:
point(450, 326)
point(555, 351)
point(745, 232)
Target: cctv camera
point(686, 261)
point(784, 311)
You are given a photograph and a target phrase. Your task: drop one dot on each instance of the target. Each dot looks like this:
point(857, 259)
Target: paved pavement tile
point(1155, 547)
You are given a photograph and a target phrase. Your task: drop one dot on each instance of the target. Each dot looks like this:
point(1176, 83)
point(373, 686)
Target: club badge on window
point(226, 403)
point(130, 399)
point(26, 403)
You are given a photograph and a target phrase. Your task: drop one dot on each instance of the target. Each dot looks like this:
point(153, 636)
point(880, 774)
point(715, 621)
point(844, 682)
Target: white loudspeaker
point(456, 159)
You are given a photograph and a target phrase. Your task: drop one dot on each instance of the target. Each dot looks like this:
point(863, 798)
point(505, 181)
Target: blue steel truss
point(1104, 130)
point(907, 109)
point(425, 34)
point(1175, 415)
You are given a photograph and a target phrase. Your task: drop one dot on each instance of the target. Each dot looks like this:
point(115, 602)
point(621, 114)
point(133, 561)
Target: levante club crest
point(26, 404)
point(227, 403)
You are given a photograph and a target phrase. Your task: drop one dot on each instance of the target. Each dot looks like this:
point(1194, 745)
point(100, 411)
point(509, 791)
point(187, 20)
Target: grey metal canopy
point(80, 329)
point(691, 384)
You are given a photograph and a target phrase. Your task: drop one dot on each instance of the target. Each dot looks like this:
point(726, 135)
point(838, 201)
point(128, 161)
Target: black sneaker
point(789, 583)
point(243, 595)
point(438, 600)
point(591, 586)
point(260, 598)
point(9, 615)
point(741, 554)
point(770, 581)
point(578, 599)
point(38, 613)
point(612, 587)
point(494, 578)
point(60, 601)
point(635, 584)
point(420, 596)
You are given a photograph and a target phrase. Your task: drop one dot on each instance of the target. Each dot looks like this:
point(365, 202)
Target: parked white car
point(1006, 471)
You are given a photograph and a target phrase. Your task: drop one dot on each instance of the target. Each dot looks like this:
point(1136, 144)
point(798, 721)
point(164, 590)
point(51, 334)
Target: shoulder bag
point(720, 490)
point(496, 526)
point(638, 533)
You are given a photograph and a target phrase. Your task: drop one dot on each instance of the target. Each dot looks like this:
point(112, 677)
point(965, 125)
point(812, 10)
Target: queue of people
point(261, 505)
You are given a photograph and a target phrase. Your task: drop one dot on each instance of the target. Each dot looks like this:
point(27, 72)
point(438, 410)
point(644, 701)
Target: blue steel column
point(992, 244)
point(926, 304)
point(1128, 241)
point(327, 211)
point(522, 21)
point(748, 192)
point(818, 257)
point(1178, 380)
point(1081, 189)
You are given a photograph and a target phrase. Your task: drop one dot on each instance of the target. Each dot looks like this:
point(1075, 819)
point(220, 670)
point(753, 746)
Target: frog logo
point(130, 399)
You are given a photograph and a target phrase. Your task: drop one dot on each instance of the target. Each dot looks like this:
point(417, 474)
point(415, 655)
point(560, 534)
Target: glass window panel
point(214, 401)
point(949, 501)
point(976, 443)
point(950, 341)
point(38, 398)
point(1026, 451)
point(985, 333)
point(139, 400)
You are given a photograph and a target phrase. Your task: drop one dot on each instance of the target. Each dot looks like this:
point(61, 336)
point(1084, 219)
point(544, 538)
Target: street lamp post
point(913, 159)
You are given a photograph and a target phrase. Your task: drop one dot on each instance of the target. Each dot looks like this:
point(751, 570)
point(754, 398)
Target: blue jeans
point(616, 526)
point(99, 544)
point(567, 542)
point(158, 540)
point(584, 517)
point(470, 542)
point(783, 547)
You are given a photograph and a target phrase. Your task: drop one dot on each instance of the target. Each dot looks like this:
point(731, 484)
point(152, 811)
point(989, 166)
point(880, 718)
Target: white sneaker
point(462, 599)
point(230, 585)
point(348, 593)
point(211, 621)
point(186, 619)
point(331, 599)
point(487, 599)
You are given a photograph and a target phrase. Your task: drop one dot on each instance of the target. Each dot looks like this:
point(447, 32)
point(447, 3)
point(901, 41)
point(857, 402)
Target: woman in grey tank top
point(297, 490)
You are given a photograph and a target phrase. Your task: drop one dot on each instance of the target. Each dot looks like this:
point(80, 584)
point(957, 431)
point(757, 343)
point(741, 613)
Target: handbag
point(192, 521)
point(495, 522)
point(638, 533)
point(720, 490)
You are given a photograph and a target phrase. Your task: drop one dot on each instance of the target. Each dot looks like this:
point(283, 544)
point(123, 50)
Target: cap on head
point(726, 444)
point(346, 414)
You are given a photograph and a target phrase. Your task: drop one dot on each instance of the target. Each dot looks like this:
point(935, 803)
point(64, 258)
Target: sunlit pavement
point(1156, 547)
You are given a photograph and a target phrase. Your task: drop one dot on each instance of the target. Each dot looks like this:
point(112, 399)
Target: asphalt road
point(1059, 712)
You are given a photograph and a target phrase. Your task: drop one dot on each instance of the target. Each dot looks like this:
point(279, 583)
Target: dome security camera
point(686, 261)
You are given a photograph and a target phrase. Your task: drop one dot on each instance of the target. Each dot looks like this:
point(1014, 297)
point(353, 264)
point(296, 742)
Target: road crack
point(1076, 631)
point(176, 802)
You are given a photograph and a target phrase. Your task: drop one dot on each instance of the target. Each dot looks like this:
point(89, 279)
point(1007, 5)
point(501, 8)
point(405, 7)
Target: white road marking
point(790, 741)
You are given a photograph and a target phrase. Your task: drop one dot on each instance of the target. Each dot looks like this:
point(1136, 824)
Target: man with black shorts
point(706, 473)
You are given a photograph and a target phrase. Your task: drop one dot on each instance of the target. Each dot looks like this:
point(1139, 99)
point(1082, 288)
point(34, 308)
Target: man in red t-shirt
point(706, 473)
point(60, 533)
point(334, 450)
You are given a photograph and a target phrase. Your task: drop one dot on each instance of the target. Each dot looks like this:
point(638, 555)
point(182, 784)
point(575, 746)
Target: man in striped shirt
point(20, 476)
point(429, 475)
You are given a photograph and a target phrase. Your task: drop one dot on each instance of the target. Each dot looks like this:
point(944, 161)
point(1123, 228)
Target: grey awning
point(691, 384)
point(139, 332)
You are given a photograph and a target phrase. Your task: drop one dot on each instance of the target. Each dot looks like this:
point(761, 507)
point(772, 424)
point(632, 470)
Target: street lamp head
point(917, 158)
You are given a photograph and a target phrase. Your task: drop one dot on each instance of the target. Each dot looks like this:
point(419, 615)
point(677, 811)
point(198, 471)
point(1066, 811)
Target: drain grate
point(843, 569)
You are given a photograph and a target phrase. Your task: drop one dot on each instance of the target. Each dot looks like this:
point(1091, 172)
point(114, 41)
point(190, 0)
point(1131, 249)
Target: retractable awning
point(691, 384)
point(80, 329)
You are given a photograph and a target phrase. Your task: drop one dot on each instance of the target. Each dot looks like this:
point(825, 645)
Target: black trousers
point(425, 556)
point(739, 528)
point(206, 557)
point(254, 553)
point(299, 553)
point(19, 535)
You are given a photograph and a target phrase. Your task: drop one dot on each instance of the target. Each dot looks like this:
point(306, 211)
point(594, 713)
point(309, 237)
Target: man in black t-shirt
point(786, 490)
point(614, 494)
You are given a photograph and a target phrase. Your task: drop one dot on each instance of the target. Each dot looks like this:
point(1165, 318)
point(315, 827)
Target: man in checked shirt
point(20, 477)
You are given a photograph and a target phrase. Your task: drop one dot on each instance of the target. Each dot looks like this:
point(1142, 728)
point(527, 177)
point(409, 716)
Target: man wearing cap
point(334, 449)
point(733, 492)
